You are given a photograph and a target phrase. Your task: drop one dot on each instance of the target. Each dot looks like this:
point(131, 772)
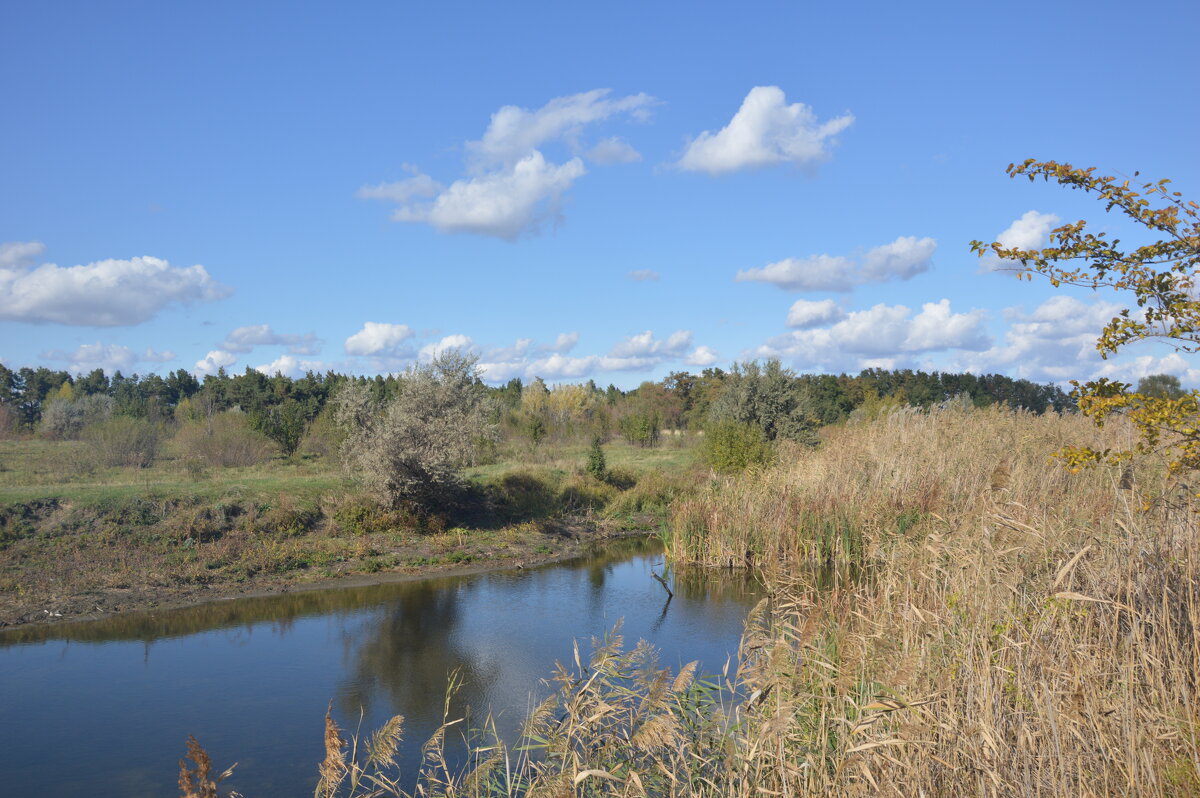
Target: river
point(103, 708)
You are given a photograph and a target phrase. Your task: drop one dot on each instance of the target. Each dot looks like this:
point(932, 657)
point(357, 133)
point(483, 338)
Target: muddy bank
point(60, 562)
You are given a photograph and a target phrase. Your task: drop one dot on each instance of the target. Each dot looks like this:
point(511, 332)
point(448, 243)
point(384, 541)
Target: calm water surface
point(104, 708)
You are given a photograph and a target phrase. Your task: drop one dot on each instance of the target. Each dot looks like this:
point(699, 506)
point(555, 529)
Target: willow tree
point(410, 451)
point(1158, 279)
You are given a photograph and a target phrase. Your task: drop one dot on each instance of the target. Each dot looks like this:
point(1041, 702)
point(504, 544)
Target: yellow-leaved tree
point(1159, 277)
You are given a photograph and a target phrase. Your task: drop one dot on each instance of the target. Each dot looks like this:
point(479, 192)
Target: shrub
point(284, 423)
point(125, 441)
point(595, 462)
point(324, 436)
point(640, 429)
point(412, 450)
point(65, 419)
point(730, 446)
point(10, 420)
point(224, 441)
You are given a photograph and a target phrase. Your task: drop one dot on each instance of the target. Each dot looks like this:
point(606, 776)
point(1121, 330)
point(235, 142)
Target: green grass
point(32, 469)
point(568, 458)
point(36, 469)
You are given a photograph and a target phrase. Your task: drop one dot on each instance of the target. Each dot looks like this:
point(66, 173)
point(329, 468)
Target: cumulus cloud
point(511, 189)
point(644, 276)
point(702, 356)
point(109, 357)
point(456, 341)
point(765, 131)
point(565, 342)
point(805, 313)
point(291, 366)
point(401, 191)
point(107, 293)
point(1056, 342)
point(244, 339)
point(640, 352)
point(379, 338)
point(882, 333)
point(1031, 231)
point(214, 361)
point(514, 131)
point(613, 150)
point(902, 259)
point(646, 345)
point(506, 203)
point(19, 254)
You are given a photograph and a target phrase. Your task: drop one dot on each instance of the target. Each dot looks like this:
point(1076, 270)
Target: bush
point(125, 441)
point(595, 462)
point(324, 436)
point(730, 446)
point(411, 451)
point(640, 429)
point(10, 421)
point(224, 441)
point(65, 419)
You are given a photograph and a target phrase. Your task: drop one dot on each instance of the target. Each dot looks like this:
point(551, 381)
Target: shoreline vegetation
point(949, 608)
point(133, 492)
point(950, 611)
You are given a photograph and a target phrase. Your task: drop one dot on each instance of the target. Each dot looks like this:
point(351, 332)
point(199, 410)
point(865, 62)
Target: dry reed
point(1006, 629)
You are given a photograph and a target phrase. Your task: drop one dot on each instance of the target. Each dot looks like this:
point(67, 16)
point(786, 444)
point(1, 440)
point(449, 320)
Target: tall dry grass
point(1007, 629)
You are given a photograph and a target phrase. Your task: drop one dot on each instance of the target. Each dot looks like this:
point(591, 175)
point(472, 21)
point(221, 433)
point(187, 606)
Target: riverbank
point(83, 562)
point(54, 600)
point(119, 540)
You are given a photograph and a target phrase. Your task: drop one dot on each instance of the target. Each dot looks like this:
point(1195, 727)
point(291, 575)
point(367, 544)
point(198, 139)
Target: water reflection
point(104, 706)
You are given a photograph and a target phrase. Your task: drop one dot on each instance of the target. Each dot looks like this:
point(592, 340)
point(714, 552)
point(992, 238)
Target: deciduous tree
point(1160, 280)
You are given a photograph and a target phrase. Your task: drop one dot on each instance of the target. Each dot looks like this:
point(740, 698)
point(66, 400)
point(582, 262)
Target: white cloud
point(1143, 366)
point(514, 131)
point(765, 131)
point(244, 339)
point(456, 341)
point(644, 276)
point(1031, 231)
point(702, 356)
point(1056, 342)
point(564, 343)
point(19, 254)
point(935, 328)
point(882, 332)
point(805, 313)
point(291, 366)
point(645, 345)
point(109, 357)
point(401, 191)
point(379, 338)
point(902, 259)
point(641, 352)
point(613, 150)
point(107, 293)
point(506, 203)
point(813, 273)
point(511, 189)
point(214, 361)
point(562, 367)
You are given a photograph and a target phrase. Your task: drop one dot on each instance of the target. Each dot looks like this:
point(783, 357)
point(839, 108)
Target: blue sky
point(609, 191)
